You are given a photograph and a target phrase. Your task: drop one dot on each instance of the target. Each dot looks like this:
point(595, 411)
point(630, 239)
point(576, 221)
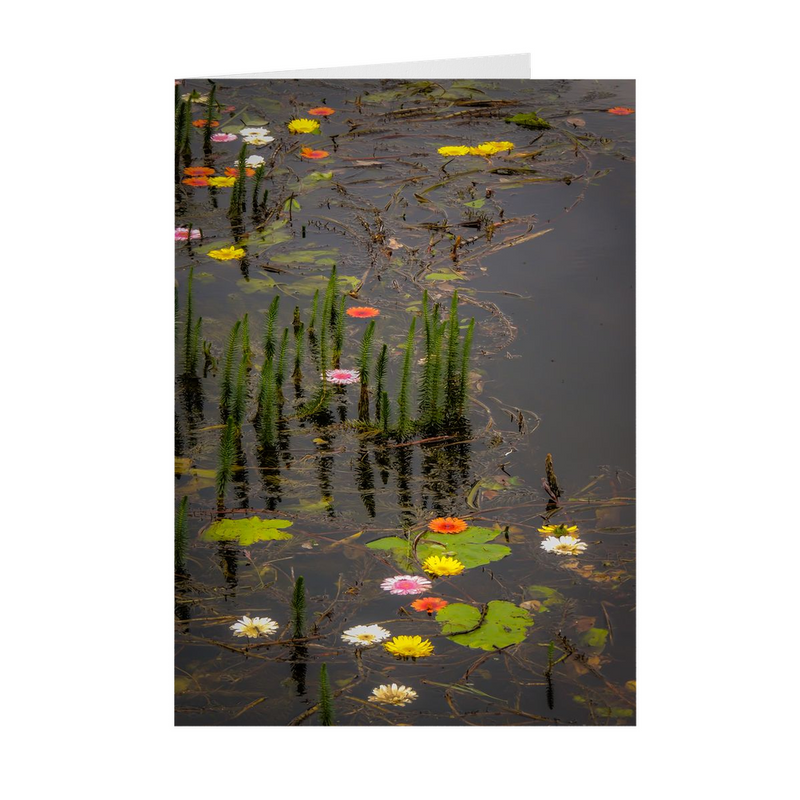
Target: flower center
point(365, 637)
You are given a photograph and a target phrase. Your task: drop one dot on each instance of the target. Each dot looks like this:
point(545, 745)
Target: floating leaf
point(321, 257)
point(316, 177)
point(307, 286)
point(576, 121)
point(531, 121)
point(594, 638)
point(470, 547)
point(445, 276)
point(246, 531)
point(542, 598)
point(253, 285)
point(291, 203)
point(253, 120)
point(480, 203)
point(504, 624)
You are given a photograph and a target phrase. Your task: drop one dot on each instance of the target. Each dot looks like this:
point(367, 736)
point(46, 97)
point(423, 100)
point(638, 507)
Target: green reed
point(226, 458)
point(280, 372)
point(270, 318)
point(181, 534)
point(297, 372)
point(227, 387)
point(325, 697)
point(268, 406)
point(380, 380)
point(257, 179)
point(404, 422)
point(238, 192)
point(298, 612)
point(363, 363)
point(239, 406)
point(192, 332)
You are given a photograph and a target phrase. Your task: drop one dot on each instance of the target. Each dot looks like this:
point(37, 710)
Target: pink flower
point(342, 376)
point(182, 234)
point(223, 137)
point(406, 584)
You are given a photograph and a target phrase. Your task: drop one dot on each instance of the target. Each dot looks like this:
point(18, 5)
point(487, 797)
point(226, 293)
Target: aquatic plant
point(490, 148)
point(442, 565)
point(225, 458)
point(456, 150)
point(182, 234)
point(409, 647)
point(429, 387)
point(198, 172)
point(385, 412)
point(380, 381)
point(429, 604)
point(326, 713)
point(181, 534)
point(224, 137)
point(341, 377)
point(297, 372)
point(254, 627)
point(620, 111)
point(308, 152)
point(552, 480)
point(201, 181)
point(270, 317)
point(362, 312)
point(447, 525)
point(192, 331)
point(312, 321)
point(406, 584)
point(558, 530)
point(530, 120)
point(227, 386)
point(321, 111)
point(303, 126)
point(338, 333)
point(404, 399)
point(365, 635)
point(363, 362)
point(222, 181)
point(280, 372)
point(298, 615)
point(393, 695)
point(237, 202)
point(564, 545)
point(239, 405)
point(268, 410)
point(259, 176)
point(210, 119)
point(227, 253)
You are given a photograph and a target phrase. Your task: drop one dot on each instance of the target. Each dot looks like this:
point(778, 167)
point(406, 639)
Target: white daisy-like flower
point(365, 635)
point(406, 584)
point(259, 132)
point(254, 161)
point(342, 377)
point(259, 141)
point(254, 627)
point(564, 545)
point(394, 695)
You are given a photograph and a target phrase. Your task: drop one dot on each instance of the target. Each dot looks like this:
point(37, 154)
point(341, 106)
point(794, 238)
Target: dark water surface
point(552, 372)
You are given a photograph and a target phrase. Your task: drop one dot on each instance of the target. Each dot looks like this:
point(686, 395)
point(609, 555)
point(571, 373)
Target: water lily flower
point(429, 604)
point(447, 525)
point(442, 565)
point(182, 234)
point(220, 181)
point(394, 695)
point(254, 627)
point(303, 126)
point(224, 137)
point(308, 152)
point(564, 545)
point(321, 111)
point(197, 98)
point(409, 647)
point(259, 141)
point(621, 111)
point(259, 132)
point(196, 172)
point(233, 172)
point(342, 377)
point(459, 150)
point(201, 123)
point(365, 635)
point(559, 530)
point(195, 181)
point(254, 161)
point(406, 584)
point(362, 312)
point(227, 253)
point(490, 148)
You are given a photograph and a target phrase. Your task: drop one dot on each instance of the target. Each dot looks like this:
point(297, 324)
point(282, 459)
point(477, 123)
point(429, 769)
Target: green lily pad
point(253, 285)
point(307, 286)
point(531, 121)
point(470, 547)
point(504, 624)
point(594, 639)
point(321, 257)
point(480, 203)
point(246, 531)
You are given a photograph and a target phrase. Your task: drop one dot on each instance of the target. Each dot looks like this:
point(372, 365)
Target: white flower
point(259, 141)
point(564, 545)
point(365, 635)
point(254, 161)
point(253, 627)
point(259, 132)
point(394, 695)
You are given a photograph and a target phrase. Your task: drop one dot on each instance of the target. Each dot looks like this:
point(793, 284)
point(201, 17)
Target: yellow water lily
point(220, 181)
point(409, 647)
point(559, 530)
point(490, 148)
point(227, 253)
point(458, 150)
point(442, 565)
point(303, 126)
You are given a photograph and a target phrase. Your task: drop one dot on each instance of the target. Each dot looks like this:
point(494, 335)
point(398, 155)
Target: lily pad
point(471, 547)
point(503, 624)
point(531, 121)
point(321, 257)
point(307, 286)
point(253, 285)
point(594, 639)
point(246, 531)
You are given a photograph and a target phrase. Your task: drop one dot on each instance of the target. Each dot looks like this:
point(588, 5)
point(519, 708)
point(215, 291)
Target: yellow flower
point(559, 530)
point(227, 253)
point(442, 565)
point(303, 126)
point(460, 150)
point(490, 148)
point(220, 181)
point(409, 647)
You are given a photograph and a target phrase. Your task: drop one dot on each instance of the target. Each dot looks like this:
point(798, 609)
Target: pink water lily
point(223, 137)
point(182, 234)
point(406, 584)
point(342, 376)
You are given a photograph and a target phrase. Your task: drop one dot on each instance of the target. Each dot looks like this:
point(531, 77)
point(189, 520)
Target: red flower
point(322, 111)
point(197, 172)
point(429, 604)
point(201, 123)
point(620, 111)
point(447, 525)
point(233, 172)
point(307, 152)
point(362, 312)
point(195, 181)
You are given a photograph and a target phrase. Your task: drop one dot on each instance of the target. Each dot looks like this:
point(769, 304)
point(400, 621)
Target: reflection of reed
point(228, 561)
point(365, 480)
point(403, 466)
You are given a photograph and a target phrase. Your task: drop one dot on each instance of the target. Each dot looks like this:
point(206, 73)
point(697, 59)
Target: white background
point(88, 304)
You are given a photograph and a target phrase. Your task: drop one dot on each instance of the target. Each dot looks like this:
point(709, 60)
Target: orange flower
point(429, 604)
point(201, 123)
point(233, 172)
point(195, 181)
point(362, 312)
point(197, 172)
point(620, 110)
point(322, 111)
point(307, 152)
point(447, 525)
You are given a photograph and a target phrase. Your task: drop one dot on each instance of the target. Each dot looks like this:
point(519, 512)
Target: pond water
point(538, 241)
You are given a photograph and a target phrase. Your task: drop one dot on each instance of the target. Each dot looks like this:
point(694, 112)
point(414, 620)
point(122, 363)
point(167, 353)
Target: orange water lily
point(362, 312)
point(233, 172)
point(621, 111)
point(308, 152)
point(447, 525)
point(196, 172)
point(429, 604)
point(195, 181)
point(201, 123)
point(322, 111)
